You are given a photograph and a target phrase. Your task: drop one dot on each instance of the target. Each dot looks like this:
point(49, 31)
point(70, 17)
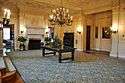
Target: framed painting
point(106, 33)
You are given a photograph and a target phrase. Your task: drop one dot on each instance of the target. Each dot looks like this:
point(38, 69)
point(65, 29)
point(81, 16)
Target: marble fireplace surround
point(34, 33)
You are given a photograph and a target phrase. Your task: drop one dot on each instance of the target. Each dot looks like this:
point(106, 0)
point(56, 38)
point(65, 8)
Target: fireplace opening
point(34, 44)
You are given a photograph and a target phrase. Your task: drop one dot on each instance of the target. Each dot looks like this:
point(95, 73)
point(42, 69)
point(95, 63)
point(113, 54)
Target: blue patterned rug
point(37, 69)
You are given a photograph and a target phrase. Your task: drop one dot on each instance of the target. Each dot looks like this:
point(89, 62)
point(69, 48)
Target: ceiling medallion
point(60, 16)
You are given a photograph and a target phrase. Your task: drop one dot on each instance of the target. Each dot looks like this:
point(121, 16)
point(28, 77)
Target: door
point(88, 38)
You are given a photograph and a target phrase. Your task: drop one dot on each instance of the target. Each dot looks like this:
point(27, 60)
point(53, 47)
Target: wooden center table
point(63, 49)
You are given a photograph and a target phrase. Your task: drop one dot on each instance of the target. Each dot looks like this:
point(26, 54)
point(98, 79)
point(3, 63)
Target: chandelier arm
point(62, 3)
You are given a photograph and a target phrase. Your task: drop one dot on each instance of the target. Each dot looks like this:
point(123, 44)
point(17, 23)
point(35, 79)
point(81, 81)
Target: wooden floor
point(90, 56)
point(81, 56)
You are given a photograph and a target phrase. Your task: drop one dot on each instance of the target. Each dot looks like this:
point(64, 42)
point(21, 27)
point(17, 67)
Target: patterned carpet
point(37, 69)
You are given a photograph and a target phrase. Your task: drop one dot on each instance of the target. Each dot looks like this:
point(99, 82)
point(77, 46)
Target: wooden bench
point(9, 77)
point(2, 66)
point(8, 73)
point(5, 75)
point(9, 65)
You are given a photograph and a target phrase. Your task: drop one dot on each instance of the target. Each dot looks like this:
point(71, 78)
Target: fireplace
point(34, 44)
point(35, 35)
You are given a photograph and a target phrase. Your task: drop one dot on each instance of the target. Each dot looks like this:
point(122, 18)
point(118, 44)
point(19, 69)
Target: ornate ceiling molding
point(74, 5)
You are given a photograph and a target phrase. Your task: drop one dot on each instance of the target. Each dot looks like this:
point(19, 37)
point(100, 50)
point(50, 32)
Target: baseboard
point(113, 55)
point(96, 49)
point(122, 56)
point(79, 49)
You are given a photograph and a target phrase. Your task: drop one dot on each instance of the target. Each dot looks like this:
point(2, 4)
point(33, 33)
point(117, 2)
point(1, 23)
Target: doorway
point(8, 37)
point(88, 37)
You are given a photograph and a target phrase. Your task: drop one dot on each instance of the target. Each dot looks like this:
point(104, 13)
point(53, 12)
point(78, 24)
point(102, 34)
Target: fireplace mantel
point(35, 33)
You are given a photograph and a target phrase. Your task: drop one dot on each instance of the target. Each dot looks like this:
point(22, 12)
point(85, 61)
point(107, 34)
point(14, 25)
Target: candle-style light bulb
point(51, 16)
point(54, 11)
point(5, 13)
point(71, 17)
point(8, 14)
point(67, 10)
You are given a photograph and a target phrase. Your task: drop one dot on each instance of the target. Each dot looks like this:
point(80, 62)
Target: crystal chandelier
point(60, 16)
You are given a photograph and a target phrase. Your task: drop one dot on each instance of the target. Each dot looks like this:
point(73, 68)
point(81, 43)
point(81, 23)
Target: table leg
point(43, 52)
point(54, 53)
point(72, 55)
point(60, 56)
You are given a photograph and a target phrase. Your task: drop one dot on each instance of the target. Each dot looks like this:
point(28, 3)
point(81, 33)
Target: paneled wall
point(23, 19)
point(118, 39)
point(101, 21)
point(33, 19)
point(90, 22)
point(78, 24)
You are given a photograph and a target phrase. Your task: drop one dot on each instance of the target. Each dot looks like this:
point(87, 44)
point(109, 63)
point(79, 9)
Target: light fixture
point(1, 25)
point(60, 16)
point(79, 29)
point(114, 29)
point(79, 32)
point(6, 18)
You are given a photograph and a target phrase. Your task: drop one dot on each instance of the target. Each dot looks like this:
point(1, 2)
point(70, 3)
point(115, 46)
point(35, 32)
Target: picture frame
point(106, 33)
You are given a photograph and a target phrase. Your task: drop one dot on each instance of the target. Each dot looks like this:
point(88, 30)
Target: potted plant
point(57, 43)
point(22, 40)
point(47, 40)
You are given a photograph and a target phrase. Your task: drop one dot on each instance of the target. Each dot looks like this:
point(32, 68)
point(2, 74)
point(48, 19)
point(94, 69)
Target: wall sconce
point(114, 29)
point(21, 32)
point(1, 25)
point(79, 32)
point(47, 30)
point(6, 18)
point(79, 29)
point(23, 29)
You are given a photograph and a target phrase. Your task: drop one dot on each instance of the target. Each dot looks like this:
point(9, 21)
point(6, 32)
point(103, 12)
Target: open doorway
point(88, 37)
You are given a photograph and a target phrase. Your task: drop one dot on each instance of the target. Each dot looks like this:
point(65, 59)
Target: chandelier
point(60, 16)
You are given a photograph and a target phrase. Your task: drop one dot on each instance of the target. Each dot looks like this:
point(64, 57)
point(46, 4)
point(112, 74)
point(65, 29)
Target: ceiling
point(47, 5)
